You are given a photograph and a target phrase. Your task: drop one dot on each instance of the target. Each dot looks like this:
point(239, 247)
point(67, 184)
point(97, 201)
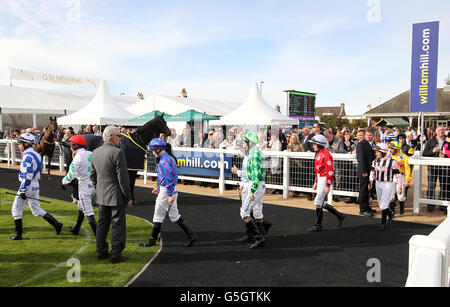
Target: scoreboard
point(302, 105)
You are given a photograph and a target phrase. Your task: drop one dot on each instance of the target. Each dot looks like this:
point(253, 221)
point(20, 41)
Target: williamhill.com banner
point(202, 164)
point(424, 66)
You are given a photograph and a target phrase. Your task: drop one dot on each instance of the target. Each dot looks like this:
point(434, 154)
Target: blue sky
point(217, 49)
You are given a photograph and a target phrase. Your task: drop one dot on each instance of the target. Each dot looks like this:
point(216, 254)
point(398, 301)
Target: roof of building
point(400, 104)
point(320, 111)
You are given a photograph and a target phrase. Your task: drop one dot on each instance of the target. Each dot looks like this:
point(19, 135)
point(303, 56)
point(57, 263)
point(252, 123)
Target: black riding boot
point(245, 239)
point(93, 224)
point(18, 236)
point(76, 230)
point(52, 221)
point(336, 213)
point(254, 234)
point(154, 237)
point(392, 206)
point(384, 215)
point(402, 207)
point(192, 237)
point(267, 225)
point(318, 225)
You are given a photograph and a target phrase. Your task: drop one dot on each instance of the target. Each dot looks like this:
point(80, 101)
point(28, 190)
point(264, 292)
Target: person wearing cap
point(404, 147)
point(384, 171)
point(29, 175)
point(262, 224)
point(253, 191)
point(80, 169)
point(323, 167)
point(405, 170)
point(167, 195)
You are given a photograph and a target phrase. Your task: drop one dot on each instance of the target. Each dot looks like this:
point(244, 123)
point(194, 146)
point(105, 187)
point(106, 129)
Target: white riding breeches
point(257, 205)
point(20, 204)
point(384, 192)
point(162, 205)
point(85, 193)
point(395, 188)
point(321, 195)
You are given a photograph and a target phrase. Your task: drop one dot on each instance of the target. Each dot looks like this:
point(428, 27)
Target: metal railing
point(431, 182)
point(285, 171)
point(9, 152)
point(292, 172)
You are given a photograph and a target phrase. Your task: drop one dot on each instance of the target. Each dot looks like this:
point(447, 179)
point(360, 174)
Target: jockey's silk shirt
point(255, 170)
point(167, 173)
point(30, 168)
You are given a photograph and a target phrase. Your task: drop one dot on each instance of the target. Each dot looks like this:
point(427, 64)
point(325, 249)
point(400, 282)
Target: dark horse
point(135, 144)
point(46, 147)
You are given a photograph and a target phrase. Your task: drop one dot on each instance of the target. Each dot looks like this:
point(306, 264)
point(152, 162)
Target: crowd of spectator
point(343, 140)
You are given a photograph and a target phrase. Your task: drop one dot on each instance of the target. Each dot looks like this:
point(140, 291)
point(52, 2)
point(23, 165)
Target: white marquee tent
point(255, 111)
point(102, 110)
point(175, 105)
point(20, 100)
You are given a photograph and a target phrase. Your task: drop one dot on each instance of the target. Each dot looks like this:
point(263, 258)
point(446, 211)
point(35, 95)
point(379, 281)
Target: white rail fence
point(9, 152)
point(431, 182)
point(289, 172)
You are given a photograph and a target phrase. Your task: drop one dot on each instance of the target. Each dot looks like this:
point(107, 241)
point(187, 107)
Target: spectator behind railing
point(434, 148)
point(294, 144)
point(185, 140)
point(349, 145)
point(228, 143)
point(275, 163)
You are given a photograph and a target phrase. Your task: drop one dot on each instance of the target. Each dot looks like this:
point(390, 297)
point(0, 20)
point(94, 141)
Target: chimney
point(369, 107)
point(278, 109)
point(447, 84)
point(342, 109)
point(140, 96)
point(184, 93)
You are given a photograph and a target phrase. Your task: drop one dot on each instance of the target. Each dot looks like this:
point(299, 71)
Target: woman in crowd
point(228, 143)
point(349, 145)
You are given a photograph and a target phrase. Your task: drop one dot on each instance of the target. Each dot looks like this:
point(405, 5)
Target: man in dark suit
point(109, 175)
point(365, 155)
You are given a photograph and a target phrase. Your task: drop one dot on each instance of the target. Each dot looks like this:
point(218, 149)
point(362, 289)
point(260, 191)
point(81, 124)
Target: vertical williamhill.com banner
point(424, 66)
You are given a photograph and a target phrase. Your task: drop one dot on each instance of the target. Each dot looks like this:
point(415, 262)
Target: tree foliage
point(332, 121)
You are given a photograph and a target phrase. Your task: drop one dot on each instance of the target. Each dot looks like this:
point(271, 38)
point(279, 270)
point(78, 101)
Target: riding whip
point(44, 201)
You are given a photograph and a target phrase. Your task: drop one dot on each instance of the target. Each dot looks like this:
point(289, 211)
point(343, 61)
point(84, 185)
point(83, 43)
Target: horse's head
point(152, 129)
point(53, 125)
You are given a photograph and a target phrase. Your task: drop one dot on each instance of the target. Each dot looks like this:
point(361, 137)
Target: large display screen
point(302, 105)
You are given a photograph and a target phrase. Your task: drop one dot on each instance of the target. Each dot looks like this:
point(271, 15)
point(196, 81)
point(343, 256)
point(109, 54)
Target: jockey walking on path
point(80, 169)
point(253, 192)
point(384, 171)
point(29, 175)
point(167, 195)
point(245, 187)
point(323, 168)
point(405, 171)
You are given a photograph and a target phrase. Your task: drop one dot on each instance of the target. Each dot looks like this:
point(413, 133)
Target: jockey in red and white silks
point(80, 168)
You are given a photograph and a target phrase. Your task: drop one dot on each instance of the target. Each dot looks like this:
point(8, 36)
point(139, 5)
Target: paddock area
point(292, 256)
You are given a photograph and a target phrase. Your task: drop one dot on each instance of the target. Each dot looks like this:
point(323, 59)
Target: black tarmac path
point(292, 256)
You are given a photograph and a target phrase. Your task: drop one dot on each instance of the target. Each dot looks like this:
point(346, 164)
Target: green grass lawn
point(41, 258)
